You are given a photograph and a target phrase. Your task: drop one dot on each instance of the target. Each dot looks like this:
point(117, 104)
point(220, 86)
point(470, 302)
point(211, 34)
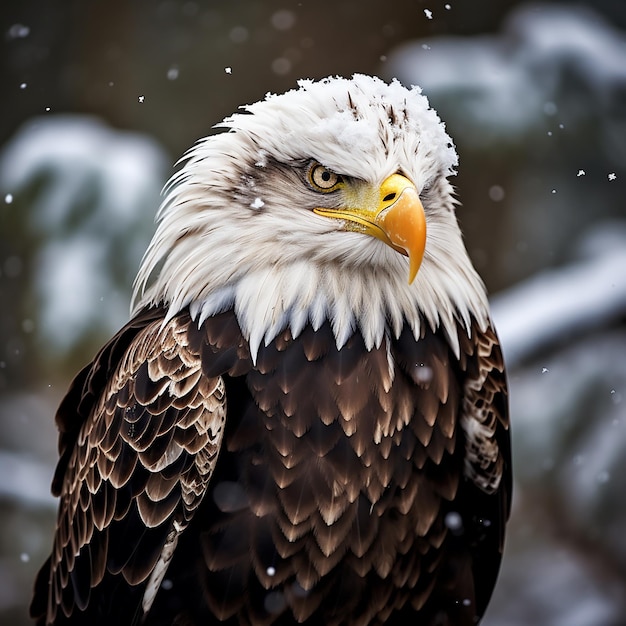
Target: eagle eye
point(323, 179)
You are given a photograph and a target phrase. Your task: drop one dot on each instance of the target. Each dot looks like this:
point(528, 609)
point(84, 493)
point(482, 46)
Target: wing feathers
point(152, 427)
point(484, 416)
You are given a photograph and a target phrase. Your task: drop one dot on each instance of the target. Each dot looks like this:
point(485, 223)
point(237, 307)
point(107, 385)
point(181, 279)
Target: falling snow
point(422, 374)
point(496, 193)
point(550, 108)
point(18, 31)
point(239, 34)
point(281, 66)
point(453, 521)
point(283, 19)
point(262, 159)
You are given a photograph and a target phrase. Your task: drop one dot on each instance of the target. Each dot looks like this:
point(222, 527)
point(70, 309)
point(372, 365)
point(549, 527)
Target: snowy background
point(100, 99)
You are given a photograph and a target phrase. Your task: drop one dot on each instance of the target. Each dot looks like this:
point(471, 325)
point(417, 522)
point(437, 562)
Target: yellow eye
point(322, 179)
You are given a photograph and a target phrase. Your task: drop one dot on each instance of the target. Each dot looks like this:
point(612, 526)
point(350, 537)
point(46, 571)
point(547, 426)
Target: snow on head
point(324, 119)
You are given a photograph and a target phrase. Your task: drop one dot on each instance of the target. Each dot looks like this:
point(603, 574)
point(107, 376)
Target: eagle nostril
point(389, 196)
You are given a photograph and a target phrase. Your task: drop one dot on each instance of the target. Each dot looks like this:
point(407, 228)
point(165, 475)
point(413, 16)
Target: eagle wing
point(485, 494)
point(141, 428)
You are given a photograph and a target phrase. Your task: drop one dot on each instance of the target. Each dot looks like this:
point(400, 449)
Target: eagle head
point(329, 202)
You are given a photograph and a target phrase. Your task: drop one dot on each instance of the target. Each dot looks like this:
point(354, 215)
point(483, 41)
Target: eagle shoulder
point(140, 432)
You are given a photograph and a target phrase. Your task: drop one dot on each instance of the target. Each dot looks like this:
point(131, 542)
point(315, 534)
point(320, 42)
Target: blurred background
point(99, 99)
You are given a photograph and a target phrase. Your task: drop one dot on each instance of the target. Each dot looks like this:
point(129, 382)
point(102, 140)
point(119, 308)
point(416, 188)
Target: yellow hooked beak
point(397, 218)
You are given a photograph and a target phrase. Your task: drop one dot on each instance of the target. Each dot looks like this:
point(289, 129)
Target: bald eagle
point(305, 420)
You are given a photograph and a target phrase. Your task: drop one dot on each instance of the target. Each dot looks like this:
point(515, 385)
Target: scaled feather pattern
point(288, 431)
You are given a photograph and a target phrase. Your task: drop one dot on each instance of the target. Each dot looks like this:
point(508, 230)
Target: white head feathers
point(237, 230)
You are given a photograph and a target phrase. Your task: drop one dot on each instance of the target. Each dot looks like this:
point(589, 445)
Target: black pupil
point(326, 176)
